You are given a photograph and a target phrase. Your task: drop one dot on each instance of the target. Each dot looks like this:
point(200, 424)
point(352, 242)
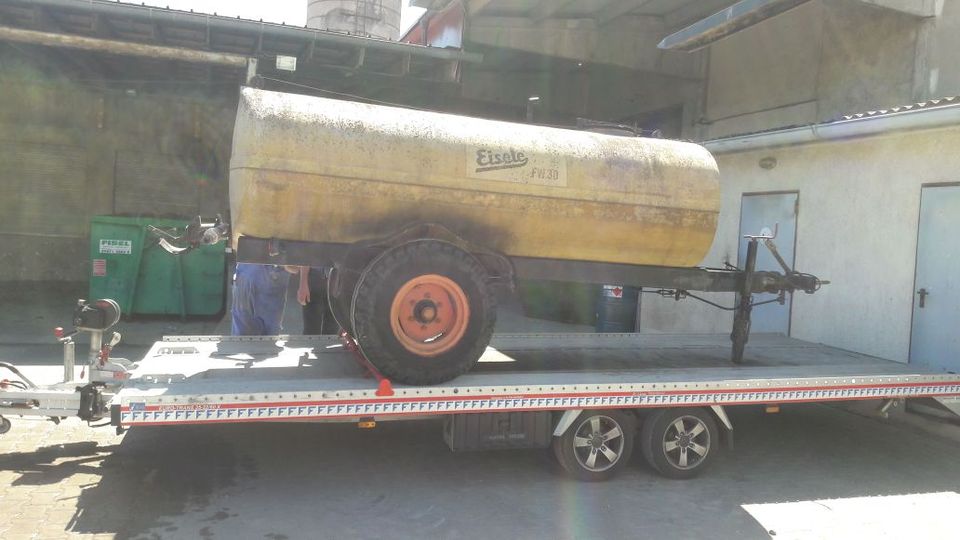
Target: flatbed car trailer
point(592, 397)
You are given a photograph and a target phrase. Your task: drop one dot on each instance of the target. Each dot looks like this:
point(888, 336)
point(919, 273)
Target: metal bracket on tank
point(198, 233)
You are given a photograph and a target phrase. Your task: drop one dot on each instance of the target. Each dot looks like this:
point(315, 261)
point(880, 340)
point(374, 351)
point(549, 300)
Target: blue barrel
point(617, 309)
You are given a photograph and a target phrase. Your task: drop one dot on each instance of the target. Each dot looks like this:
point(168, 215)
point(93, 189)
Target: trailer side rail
point(292, 394)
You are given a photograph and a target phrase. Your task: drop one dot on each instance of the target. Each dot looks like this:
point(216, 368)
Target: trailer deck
point(217, 379)
point(590, 396)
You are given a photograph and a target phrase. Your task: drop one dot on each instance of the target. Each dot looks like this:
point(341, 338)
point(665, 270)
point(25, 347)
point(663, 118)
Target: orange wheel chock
point(384, 388)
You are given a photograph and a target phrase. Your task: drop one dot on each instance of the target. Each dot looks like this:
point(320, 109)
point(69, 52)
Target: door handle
point(923, 296)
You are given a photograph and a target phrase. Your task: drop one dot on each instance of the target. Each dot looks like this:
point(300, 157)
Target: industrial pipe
point(50, 39)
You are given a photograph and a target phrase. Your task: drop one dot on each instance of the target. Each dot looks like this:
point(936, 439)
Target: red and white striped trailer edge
point(593, 397)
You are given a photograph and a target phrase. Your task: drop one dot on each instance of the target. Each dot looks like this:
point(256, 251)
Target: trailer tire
point(679, 443)
point(423, 312)
point(5, 425)
point(587, 448)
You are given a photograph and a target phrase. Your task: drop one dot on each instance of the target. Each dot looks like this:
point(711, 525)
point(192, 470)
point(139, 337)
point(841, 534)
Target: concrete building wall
point(940, 41)
point(859, 204)
point(596, 92)
point(820, 61)
point(629, 42)
point(765, 75)
point(868, 59)
point(624, 75)
point(45, 232)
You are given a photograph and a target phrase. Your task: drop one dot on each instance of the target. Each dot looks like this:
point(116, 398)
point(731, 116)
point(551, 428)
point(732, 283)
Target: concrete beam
point(629, 42)
point(573, 39)
point(43, 20)
point(548, 8)
point(917, 8)
point(616, 9)
point(358, 58)
point(430, 4)
point(121, 47)
point(476, 6)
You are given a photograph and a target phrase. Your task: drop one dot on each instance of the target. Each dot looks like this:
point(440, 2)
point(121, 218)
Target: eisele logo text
point(488, 160)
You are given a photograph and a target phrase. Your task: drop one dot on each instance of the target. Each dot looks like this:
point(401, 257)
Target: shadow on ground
point(149, 476)
point(399, 480)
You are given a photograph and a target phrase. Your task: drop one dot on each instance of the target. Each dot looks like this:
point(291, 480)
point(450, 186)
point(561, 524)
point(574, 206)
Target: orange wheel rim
point(429, 315)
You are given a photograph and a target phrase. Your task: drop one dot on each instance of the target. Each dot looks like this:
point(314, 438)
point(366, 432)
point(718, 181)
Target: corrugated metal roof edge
point(929, 104)
point(793, 134)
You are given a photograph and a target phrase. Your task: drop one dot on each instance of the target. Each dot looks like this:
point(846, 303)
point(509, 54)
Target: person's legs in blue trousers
point(259, 298)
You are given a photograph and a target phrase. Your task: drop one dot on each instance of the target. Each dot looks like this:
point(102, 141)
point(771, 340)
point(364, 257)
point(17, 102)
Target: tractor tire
point(423, 312)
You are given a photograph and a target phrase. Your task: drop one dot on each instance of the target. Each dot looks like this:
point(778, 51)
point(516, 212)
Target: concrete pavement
point(400, 481)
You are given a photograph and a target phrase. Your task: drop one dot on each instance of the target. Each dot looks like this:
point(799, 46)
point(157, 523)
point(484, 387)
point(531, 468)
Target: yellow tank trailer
point(348, 174)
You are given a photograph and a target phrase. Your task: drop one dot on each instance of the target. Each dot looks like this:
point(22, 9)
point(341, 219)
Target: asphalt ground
point(399, 480)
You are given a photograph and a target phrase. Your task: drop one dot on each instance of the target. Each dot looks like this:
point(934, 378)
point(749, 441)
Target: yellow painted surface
point(321, 170)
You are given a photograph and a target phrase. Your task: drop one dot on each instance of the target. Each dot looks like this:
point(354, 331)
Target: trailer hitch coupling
point(95, 316)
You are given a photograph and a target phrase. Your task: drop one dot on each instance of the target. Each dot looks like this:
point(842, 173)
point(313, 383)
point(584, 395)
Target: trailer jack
point(102, 374)
point(884, 409)
point(792, 280)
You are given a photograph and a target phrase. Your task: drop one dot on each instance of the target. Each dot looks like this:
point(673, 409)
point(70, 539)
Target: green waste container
point(560, 301)
point(129, 266)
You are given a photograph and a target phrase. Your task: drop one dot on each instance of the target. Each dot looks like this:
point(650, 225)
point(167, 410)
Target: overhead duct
point(735, 18)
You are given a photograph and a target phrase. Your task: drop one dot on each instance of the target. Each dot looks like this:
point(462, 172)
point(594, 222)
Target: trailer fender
point(497, 265)
point(721, 415)
point(566, 420)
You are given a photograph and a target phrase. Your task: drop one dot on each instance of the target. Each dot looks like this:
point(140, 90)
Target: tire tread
point(364, 309)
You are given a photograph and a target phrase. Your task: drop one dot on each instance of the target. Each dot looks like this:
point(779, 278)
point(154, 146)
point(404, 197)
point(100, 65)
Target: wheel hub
point(598, 443)
point(425, 311)
point(686, 442)
point(429, 314)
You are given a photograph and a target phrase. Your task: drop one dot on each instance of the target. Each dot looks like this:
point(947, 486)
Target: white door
point(769, 211)
point(935, 337)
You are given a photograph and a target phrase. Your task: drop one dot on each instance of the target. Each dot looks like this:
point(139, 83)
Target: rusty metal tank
point(314, 169)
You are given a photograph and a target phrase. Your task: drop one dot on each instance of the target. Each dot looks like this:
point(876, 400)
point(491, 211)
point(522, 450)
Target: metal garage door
point(44, 189)
point(935, 339)
point(150, 184)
